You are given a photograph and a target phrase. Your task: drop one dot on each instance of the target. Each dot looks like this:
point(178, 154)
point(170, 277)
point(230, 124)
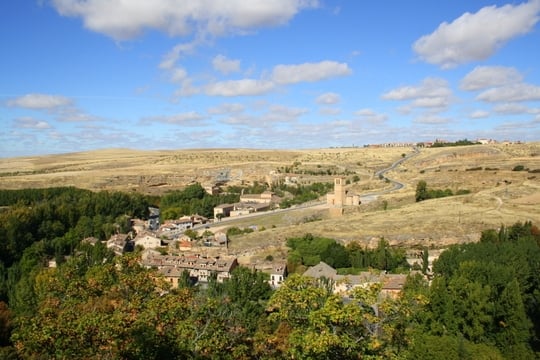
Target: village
point(186, 248)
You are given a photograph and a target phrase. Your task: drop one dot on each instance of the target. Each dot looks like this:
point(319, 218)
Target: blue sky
point(79, 75)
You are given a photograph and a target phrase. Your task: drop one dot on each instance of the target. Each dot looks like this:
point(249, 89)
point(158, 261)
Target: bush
point(518, 168)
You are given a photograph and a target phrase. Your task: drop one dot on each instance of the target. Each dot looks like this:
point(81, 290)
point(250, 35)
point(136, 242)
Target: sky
point(78, 75)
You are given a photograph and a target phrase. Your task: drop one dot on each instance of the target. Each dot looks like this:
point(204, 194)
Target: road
point(396, 184)
point(364, 198)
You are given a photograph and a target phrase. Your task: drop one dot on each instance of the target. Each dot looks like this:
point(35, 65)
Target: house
point(391, 284)
point(147, 241)
point(119, 243)
point(278, 275)
point(223, 210)
point(266, 197)
point(277, 272)
point(200, 268)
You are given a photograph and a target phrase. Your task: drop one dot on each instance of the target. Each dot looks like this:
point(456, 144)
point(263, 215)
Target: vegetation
point(302, 193)
point(309, 251)
point(193, 200)
point(423, 193)
point(482, 303)
point(463, 142)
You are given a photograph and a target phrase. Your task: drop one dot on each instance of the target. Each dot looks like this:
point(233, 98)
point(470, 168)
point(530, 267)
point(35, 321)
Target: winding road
point(365, 198)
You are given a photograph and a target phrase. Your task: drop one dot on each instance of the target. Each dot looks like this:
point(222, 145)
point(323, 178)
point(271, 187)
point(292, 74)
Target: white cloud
point(39, 101)
point(309, 72)
point(371, 116)
point(230, 108)
point(479, 114)
point(179, 75)
point(225, 65)
point(329, 111)
point(510, 93)
point(328, 99)
point(61, 107)
point(483, 77)
point(432, 93)
point(431, 102)
point(170, 59)
point(431, 119)
point(191, 118)
point(269, 116)
point(123, 20)
point(429, 88)
point(473, 37)
point(243, 87)
point(511, 108)
point(30, 123)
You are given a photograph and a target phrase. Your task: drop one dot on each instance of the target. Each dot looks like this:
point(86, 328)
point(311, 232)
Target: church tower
point(339, 191)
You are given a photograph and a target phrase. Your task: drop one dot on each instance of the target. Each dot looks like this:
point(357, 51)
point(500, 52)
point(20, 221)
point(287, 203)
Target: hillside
point(498, 195)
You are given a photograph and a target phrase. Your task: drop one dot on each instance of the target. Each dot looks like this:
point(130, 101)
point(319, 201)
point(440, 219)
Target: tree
point(421, 191)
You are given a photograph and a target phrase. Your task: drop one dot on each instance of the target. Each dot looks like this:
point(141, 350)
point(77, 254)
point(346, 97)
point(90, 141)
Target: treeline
point(40, 224)
point(482, 304)
point(302, 193)
point(425, 193)
point(463, 142)
point(485, 293)
point(193, 200)
point(309, 251)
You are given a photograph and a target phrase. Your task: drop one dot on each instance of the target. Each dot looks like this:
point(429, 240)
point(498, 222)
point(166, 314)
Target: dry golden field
point(498, 194)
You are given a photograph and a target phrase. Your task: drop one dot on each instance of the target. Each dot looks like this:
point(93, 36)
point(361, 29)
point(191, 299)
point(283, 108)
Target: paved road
point(396, 184)
point(364, 198)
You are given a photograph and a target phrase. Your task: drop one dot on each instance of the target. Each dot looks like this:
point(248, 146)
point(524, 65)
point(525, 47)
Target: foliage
point(463, 142)
point(424, 193)
point(234, 230)
point(304, 193)
point(488, 292)
point(309, 251)
point(193, 200)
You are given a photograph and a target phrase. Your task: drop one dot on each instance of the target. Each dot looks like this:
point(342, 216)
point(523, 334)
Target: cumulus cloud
point(473, 37)
point(309, 72)
point(61, 107)
point(328, 99)
point(225, 65)
point(512, 108)
point(30, 123)
point(483, 77)
point(243, 87)
point(191, 118)
point(429, 88)
point(268, 117)
point(371, 116)
point(479, 114)
point(39, 101)
point(433, 93)
point(123, 20)
point(431, 119)
point(229, 108)
point(511, 93)
point(330, 111)
point(281, 75)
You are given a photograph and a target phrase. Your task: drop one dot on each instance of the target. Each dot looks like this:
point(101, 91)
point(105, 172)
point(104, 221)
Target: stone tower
point(339, 192)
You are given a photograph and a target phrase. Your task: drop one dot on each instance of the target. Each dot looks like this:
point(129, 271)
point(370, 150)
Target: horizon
point(285, 74)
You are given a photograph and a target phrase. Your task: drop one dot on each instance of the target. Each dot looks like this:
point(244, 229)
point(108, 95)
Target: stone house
point(200, 268)
point(147, 241)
